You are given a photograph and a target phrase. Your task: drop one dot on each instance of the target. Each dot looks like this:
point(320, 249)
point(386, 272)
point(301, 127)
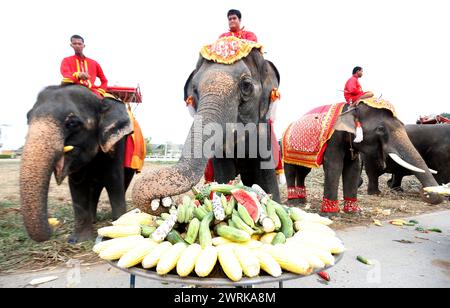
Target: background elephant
point(223, 94)
point(73, 116)
point(433, 144)
point(384, 135)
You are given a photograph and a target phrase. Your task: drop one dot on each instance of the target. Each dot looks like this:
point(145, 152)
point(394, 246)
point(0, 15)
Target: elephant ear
point(270, 80)
point(346, 122)
point(114, 123)
point(188, 87)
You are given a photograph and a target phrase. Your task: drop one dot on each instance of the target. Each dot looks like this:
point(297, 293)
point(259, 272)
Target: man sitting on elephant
point(79, 69)
point(234, 22)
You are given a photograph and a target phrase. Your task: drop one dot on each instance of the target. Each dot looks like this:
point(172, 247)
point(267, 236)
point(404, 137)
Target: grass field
point(19, 253)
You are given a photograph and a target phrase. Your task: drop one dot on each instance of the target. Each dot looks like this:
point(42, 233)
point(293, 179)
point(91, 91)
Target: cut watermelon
point(250, 202)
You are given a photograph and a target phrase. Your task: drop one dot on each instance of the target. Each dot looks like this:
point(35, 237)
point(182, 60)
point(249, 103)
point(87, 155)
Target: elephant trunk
point(183, 176)
point(42, 150)
point(403, 147)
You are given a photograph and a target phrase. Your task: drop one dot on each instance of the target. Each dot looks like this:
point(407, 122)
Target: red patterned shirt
point(72, 66)
point(242, 34)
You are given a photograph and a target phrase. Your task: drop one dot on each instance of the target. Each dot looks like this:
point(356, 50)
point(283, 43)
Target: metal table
point(216, 279)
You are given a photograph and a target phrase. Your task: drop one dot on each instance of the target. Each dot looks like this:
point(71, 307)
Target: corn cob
point(119, 231)
point(169, 259)
point(252, 244)
point(105, 244)
point(152, 259)
point(313, 227)
point(324, 255)
point(229, 262)
point(161, 232)
point(248, 260)
point(217, 241)
point(118, 249)
point(218, 210)
point(137, 254)
point(291, 262)
point(187, 260)
point(134, 219)
point(268, 237)
point(206, 261)
point(268, 263)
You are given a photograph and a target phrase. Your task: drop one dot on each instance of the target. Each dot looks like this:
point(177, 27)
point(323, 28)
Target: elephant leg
point(350, 179)
point(395, 182)
point(94, 196)
point(128, 177)
point(267, 179)
point(114, 180)
point(80, 187)
point(302, 173)
point(224, 170)
point(290, 172)
point(372, 175)
point(333, 164)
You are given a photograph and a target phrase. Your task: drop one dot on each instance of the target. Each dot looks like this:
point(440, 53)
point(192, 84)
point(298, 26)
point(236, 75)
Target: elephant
point(384, 135)
point(238, 94)
point(74, 133)
point(433, 144)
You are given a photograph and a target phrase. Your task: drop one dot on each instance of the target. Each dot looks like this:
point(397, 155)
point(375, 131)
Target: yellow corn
point(137, 254)
point(324, 255)
point(321, 241)
point(267, 238)
point(303, 226)
point(119, 231)
point(268, 263)
point(187, 261)
point(217, 241)
point(105, 244)
point(256, 237)
point(170, 258)
point(152, 259)
point(134, 219)
point(247, 258)
point(291, 262)
point(206, 261)
point(117, 250)
point(229, 262)
point(252, 244)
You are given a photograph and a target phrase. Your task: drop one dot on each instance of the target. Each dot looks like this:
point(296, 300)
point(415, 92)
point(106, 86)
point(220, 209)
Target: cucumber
point(146, 231)
point(200, 213)
point(204, 236)
point(287, 226)
point(174, 237)
point(273, 215)
point(165, 216)
point(279, 239)
point(192, 232)
point(208, 204)
point(232, 234)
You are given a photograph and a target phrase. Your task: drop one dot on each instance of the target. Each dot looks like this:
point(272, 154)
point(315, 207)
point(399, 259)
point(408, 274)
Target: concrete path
point(423, 263)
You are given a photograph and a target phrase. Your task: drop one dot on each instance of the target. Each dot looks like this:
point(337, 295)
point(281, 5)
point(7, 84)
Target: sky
point(402, 46)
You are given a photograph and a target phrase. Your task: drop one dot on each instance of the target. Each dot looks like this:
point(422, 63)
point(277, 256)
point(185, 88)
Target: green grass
point(19, 252)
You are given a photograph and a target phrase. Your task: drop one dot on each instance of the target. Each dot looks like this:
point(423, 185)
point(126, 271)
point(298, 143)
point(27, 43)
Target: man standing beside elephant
point(79, 69)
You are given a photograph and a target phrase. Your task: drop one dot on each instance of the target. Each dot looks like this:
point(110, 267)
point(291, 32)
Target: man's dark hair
point(76, 37)
point(234, 12)
point(356, 69)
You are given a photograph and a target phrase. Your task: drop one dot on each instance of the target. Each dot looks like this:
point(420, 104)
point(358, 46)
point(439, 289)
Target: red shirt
point(242, 34)
point(352, 90)
point(72, 66)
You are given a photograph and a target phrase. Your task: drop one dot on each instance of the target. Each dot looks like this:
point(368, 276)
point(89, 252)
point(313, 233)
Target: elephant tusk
point(433, 171)
point(404, 164)
point(68, 149)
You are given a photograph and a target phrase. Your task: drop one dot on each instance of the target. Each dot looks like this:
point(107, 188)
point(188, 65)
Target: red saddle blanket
point(305, 140)
point(135, 147)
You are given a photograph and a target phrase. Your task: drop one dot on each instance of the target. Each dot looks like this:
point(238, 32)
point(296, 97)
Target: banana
point(230, 207)
point(273, 215)
point(243, 213)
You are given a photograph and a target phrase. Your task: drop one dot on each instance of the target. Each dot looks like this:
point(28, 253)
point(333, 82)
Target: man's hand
point(83, 76)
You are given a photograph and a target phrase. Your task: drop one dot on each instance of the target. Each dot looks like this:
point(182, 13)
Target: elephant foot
point(373, 192)
point(81, 237)
point(296, 201)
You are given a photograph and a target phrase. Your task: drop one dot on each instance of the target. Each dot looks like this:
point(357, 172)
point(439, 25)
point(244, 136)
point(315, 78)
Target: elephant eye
point(246, 86)
point(73, 123)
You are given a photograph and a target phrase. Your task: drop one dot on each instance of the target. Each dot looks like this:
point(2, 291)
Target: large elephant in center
point(384, 136)
point(433, 144)
point(224, 94)
point(74, 133)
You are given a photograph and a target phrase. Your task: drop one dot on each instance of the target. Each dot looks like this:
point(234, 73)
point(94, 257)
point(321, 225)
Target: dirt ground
point(18, 253)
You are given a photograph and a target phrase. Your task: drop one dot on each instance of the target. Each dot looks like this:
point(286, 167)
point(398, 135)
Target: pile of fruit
point(241, 227)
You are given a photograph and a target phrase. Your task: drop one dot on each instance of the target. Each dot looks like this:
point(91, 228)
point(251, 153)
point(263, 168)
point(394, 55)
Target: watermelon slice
point(250, 202)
